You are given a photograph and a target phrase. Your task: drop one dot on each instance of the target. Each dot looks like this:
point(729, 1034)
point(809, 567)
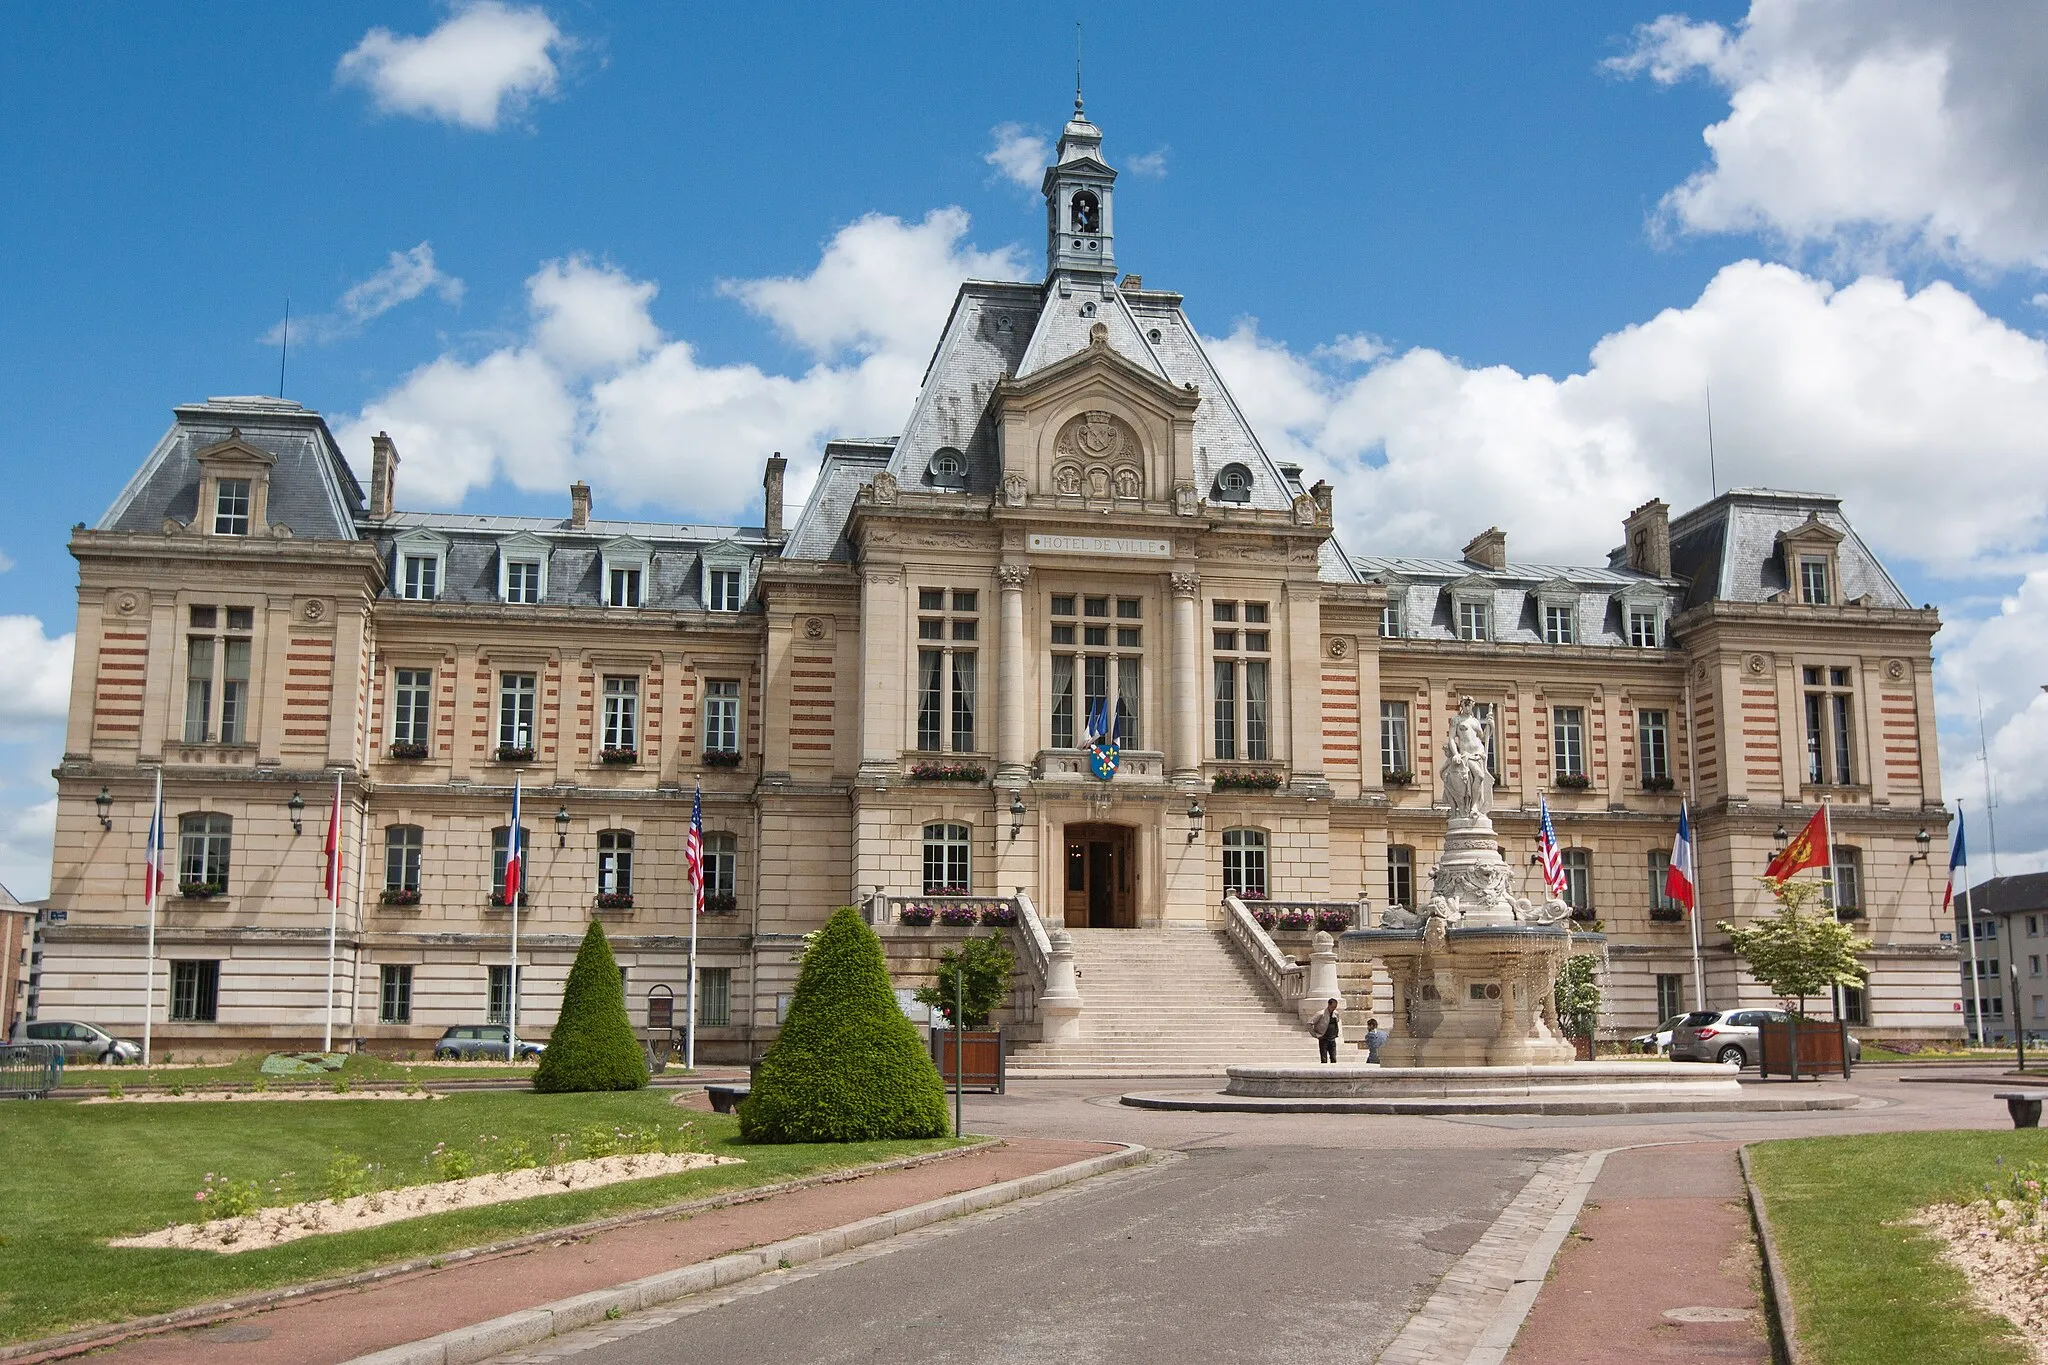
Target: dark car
point(481, 1042)
point(1731, 1037)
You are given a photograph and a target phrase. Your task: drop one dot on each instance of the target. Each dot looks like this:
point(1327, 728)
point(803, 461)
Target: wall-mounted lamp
point(297, 806)
point(562, 827)
point(1016, 814)
point(1535, 860)
point(104, 804)
point(1194, 819)
point(1781, 834)
point(1923, 838)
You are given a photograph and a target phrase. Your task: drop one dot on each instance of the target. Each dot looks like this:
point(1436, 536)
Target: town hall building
point(1071, 643)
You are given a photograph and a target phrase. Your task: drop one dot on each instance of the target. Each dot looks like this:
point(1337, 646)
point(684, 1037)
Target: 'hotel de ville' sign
point(1128, 546)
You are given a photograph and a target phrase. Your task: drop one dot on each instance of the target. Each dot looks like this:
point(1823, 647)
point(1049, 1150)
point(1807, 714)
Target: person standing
point(1375, 1039)
point(1327, 1029)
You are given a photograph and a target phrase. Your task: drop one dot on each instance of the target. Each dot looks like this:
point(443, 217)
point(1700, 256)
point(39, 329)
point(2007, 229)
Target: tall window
point(1662, 906)
point(615, 862)
point(1653, 747)
point(1813, 581)
point(714, 997)
point(1400, 875)
point(721, 865)
point(1848, 879)
point(195, 992)
point(1244, 862)
point(403, 845)
point(1568, 740)
point(1098, 663)
point(622, 714)
point(946, 869)
point(498, 855)
point(1560, 623)
point(394, 993)
point(1243, 677)
point(950, 623)
point(1394, 755)
point(203, 842)
point(623, 585)
point(722, 716)
point(1829, 709)
point(1390, 618)
point(498, 987)
point(516, 692)
point(420, 577)
point(1475, 619)
point(231, 503)
point(724, 594)
point(1670, 995)
point(412, 706)
point(1578, 881)
point(1642, 628)
point(522, 581)
point(217, 655)
point(1856, 1005)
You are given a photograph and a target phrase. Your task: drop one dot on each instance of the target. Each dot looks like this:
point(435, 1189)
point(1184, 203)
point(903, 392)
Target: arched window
point(1087, 212)
point(1244, 863)
point(615, 862)
point(403, 845)
point(1233, 484)
point(203, 842)
point(946, 867)
point(948, 467)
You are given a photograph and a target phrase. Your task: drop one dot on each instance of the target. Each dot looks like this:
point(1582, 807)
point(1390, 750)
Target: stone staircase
point(1167, 1000)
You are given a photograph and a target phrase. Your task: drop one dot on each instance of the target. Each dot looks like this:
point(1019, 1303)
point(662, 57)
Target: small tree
point(979, 970)
point(1577, 995)
point(848, 1066)
point(592, 1047)
point(1796, 953)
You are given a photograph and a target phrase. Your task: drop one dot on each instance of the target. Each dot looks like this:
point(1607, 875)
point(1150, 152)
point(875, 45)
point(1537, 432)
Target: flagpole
point(333, 904)
point(1827, 811)
point(1976, 1016)
point(1699, 970)
point(152, 875)
point(516, 841)
point(696, 910)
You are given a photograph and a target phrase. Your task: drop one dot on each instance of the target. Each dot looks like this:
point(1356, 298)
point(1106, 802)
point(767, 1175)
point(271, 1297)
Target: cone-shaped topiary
point(848, 1067)
point(592, 1047)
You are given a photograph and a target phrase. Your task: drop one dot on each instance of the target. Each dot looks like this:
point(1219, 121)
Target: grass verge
point(1866, 1288)
point(356, 1069)
point(87, 1173)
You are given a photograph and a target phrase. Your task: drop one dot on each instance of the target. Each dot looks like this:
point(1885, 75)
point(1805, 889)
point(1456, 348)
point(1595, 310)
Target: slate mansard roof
point(1426, 590)
point(1728, 549)
point(312, 490)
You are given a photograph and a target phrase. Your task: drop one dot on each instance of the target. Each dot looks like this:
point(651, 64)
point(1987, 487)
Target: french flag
point(1678, 880)
point(153, 851)
point(1957, 859)
point(515, 852)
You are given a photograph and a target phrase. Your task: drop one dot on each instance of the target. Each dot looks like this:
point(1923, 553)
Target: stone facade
point(894, 692)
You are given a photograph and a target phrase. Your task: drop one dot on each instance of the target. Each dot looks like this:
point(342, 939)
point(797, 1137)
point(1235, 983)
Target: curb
point(1248, 1104)
point(96, 1338)
point(1777, 1294)
point(482, 1340)
point(1499, 1337)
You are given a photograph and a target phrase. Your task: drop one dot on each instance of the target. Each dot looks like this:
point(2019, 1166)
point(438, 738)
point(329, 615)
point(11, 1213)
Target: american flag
point(1553, 861)
point(693, 852)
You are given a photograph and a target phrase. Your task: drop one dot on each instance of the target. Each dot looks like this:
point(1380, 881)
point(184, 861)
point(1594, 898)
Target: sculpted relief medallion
point(1098, 454)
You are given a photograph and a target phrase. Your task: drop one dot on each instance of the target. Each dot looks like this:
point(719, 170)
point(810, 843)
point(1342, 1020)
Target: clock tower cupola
point(1079, 194)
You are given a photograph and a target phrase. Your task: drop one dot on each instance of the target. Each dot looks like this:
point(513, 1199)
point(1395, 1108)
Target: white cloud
point(1863, 126)
point(405, 276)
point(1150, 165)
point(6, 563)
point(27, 833)
point(1918, 408)
point(597, 391)
point(487, 61)
point(1999, 663)
point(35, 675)
point(1020, 156)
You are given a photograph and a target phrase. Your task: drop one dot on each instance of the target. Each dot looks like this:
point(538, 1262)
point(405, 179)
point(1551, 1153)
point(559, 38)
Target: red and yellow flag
point(1809, 848)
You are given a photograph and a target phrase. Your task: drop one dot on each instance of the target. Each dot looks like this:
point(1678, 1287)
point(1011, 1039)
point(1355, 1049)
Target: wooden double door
point(1101, 877)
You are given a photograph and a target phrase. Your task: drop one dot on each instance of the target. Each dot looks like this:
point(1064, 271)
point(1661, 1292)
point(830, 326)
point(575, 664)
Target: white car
point(1658, 1039)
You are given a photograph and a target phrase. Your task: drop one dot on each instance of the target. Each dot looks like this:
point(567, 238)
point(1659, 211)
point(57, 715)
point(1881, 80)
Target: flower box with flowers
point(999, 916)
point(1266, 919)
point(721, 758)
point(1667, 914)
point(200, 891)
point(959, 916)
point(1396, 777)
point(612, 754)
point(917, 916)
point(1294, 920)
point(1573, 782)
point(499, 902)
point(948, 772)
point(615, 900)
point(1659, 784)
point(515, 753)
point(1332, 920)
point(1245, 782)
point(401, 895)
point(721, 903)
point(408, 751)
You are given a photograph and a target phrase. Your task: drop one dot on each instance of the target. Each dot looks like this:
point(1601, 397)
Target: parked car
point(1657, 1039)
point(1731, 1037)
point(480, 1042)
point(81, 1042)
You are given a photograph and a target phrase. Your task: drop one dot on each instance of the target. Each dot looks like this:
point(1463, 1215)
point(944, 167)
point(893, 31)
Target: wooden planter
point(979, 1058)
point(1806, 1048)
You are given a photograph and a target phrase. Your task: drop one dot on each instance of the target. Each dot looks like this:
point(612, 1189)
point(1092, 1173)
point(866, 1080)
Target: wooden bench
point(2024, 1106)
point(724, 1097)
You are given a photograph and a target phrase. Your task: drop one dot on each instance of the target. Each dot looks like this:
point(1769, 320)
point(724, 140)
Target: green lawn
point(80, 1174)
point(1867, 1292)
point(244, 1071)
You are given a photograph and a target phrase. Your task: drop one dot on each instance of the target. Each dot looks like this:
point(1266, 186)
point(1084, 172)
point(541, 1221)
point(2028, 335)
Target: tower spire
point(1077, 69)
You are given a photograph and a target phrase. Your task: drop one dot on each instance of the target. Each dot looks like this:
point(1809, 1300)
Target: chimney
point(1134, 282)
point(1647, 533)
point(771, 496)
point(1489, 548)
point(383, 477)
point(1321, 493)
point(579, 505)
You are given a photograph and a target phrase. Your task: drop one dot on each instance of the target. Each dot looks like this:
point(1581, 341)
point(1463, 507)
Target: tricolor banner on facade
point(1678, 878)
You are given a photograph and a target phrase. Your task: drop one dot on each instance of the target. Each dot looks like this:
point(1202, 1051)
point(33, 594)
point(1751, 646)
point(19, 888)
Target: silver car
point(81, 1042)
point(481, 1043)
point(1731, 1037)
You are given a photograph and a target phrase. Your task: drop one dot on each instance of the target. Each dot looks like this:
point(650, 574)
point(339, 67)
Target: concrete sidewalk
point(347, 1323)
point(1662, 1265)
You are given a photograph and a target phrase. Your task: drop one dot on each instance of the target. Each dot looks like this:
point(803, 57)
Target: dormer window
point(1475, 620)
point(622, 585)
point(1814, 589)
point(522, 581)
point(725, 576)
point(1087, 212)
point(231, 506)
point(422, 578)
point(626, 569)
point(419, 566)
point(1642, 618)
point(523, 569)
point(1233, 484)
point(725, 590)
point(948, 468)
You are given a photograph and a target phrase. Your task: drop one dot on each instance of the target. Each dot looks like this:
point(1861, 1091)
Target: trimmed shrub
point(848, 1066)
point(592, 1047)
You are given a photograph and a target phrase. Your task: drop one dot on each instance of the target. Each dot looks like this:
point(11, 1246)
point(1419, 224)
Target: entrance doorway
point(1101, 877)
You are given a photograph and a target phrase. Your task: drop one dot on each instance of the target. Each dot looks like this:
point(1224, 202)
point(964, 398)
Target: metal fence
point(29, 1071)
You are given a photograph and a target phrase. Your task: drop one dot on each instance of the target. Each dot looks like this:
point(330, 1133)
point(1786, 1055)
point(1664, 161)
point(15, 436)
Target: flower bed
point(948, 772)
point(1245, 782)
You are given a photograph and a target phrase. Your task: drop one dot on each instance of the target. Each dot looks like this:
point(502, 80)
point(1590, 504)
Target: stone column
point(1322, 979)
point(1184, 753)
point(1013, 706)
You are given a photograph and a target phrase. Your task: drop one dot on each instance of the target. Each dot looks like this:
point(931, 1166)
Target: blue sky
point(1473, 263)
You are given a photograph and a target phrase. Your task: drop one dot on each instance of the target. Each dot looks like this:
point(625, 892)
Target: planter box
point(1804, 1049)
point(979, 1058)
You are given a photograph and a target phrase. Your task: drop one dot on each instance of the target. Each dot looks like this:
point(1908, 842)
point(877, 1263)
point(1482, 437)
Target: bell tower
point(1079, 192)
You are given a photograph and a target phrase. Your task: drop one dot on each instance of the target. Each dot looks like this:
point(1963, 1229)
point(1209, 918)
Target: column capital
point(1186, 582)
point(1013, 576)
